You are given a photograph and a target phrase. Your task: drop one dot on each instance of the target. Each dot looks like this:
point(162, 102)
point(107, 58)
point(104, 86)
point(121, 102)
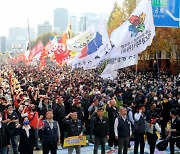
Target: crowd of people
point(56, 103)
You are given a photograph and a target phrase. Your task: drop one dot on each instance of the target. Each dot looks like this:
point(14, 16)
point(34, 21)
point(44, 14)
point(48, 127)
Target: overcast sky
point(14, 13)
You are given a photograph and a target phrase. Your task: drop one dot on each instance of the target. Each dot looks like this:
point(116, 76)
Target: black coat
point(73, 128)
point(175, 125)
point(112, 115)
point(4, 136)
point(26, 144)
point(59, 112)
point(99, 128)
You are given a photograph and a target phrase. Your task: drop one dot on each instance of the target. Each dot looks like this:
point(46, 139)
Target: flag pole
point(156, 57)
point(29, 39)
point(136, 70)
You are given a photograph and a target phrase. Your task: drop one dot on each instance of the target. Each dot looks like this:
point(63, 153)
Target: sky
point(14, 13)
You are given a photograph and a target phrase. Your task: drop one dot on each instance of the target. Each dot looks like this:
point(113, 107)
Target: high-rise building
point(87, 19)
point(18, 37)
point(2, 44)
point(60, 20)
point(45, 27)
point(74, 24)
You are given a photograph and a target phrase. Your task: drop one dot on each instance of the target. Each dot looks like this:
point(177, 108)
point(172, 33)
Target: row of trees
point(166, 41)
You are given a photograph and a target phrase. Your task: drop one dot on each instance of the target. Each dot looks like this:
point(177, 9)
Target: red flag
point(36, 51)
point(43, 59)
point(62, 52)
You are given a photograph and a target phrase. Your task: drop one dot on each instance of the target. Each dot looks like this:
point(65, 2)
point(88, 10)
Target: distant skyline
point(14, 13)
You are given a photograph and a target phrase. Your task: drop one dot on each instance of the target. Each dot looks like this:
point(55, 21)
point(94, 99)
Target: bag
point(161, 146)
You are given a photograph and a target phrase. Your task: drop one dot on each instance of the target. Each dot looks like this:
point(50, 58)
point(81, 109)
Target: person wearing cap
point(93, 107)
point(122, 130)
point(152, 127)
point(139, 129)
point(174, 131)
point(4, 136)
point(44, 105)
point(100, 128)
point(73, 127)
point(11, 119)
point(76, 107)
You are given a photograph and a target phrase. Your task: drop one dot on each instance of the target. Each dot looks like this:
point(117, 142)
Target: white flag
point(80, 41)
point(117, 63)
point(109, 74)
point(95, 51)
point(134, 35)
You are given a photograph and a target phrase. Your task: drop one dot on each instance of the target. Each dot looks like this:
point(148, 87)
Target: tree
point(120, 14)
point(44, 38)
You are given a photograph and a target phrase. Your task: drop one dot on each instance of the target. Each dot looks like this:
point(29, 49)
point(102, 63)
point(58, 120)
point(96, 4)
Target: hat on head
point(100, 109)
point(140, 106)
point(8, 105)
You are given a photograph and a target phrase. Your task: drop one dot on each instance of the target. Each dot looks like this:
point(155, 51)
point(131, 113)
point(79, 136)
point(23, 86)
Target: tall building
point(60, 20)
point(2, 44)
point(45, 27)
point(74, 24)
point(18, 37)
point(87, 19)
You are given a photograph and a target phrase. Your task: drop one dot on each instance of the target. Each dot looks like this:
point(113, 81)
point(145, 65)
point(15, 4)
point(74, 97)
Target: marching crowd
point(56, 103)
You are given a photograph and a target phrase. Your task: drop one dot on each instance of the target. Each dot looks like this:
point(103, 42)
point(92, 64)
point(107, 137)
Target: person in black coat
point(27, 137)
point(174, 130)
point(4, 136)
point(59, 112)
point(73, 127)
point(100, 129)
point(112, 115)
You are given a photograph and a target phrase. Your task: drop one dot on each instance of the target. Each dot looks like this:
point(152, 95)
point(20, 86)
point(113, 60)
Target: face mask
point(26, 122)
point(0, 119)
